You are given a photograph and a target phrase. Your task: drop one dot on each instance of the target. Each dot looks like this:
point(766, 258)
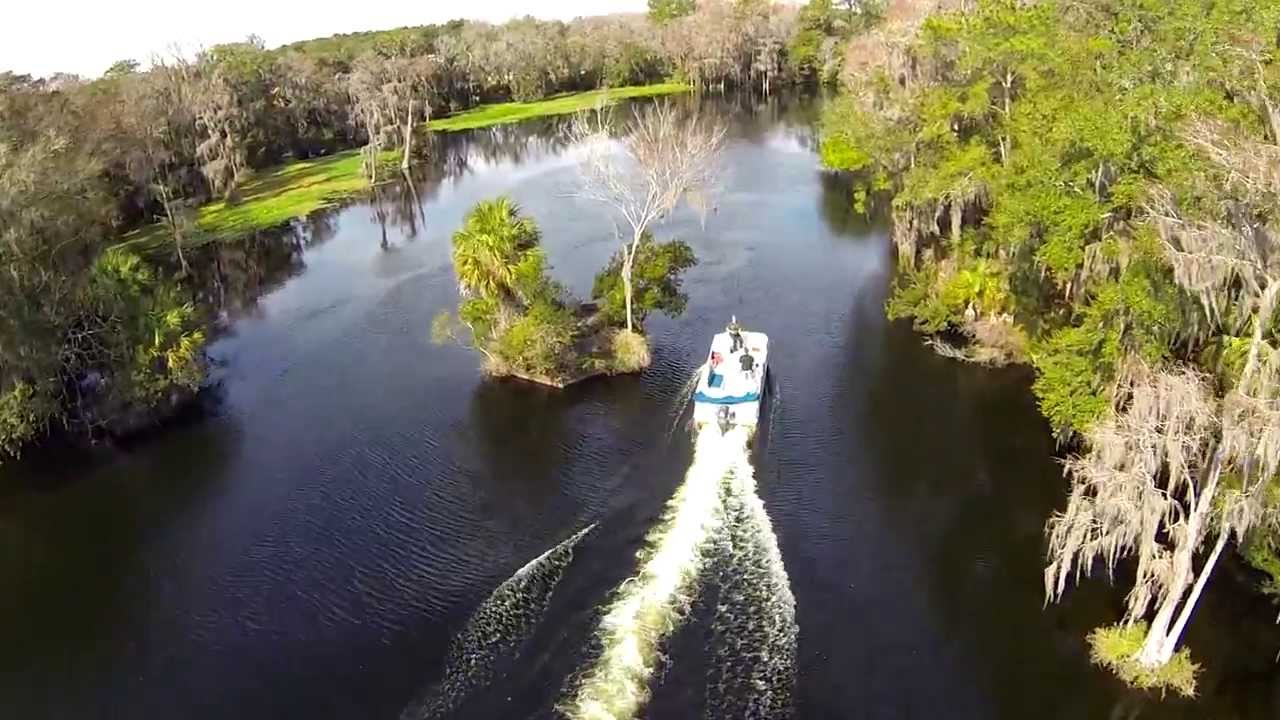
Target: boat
point(731, 385)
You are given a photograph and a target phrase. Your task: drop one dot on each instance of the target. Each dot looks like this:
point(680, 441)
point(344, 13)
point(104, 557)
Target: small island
point(524, 323)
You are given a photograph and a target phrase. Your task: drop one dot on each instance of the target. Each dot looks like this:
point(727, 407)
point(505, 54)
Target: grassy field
point(268, 199)
point(274, 196)
point(501, 113)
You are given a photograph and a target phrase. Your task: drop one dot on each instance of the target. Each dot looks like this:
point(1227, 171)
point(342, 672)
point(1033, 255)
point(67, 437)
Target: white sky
point(41, 37)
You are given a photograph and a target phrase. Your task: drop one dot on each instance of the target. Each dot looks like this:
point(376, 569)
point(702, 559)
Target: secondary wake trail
point(682, 400)
point(497, 629)
point(646, 608)
point(752, 672)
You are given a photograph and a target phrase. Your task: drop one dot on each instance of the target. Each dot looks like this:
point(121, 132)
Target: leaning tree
point(664, 156)
point(1178, 465)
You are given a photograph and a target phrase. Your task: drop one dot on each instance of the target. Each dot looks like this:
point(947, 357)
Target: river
point(306, 545)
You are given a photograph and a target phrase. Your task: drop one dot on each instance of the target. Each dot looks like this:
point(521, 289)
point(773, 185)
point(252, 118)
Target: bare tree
point(224, 121)
point(158, 117)
point(663, 157)
point(390, 98)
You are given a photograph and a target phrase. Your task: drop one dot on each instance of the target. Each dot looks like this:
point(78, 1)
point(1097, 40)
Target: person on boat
point(748, 362)
point(735, 336)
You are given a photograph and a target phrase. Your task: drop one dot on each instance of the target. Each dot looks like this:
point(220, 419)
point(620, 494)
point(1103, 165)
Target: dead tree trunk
point(408, 136)
point(1161, 641)
point(174, 227)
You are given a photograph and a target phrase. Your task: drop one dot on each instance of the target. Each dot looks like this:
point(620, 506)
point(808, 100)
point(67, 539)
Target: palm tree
point(490, 247)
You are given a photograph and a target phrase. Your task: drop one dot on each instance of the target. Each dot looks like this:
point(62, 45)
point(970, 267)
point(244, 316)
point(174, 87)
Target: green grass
point(277, 195)
point(502, 113)
point(1115, 648)
point(270, 198)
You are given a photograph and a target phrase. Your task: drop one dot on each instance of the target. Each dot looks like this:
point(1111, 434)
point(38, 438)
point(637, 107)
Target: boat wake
point(497, 629)
point(715, 525)
point(682, 400)
point(714, 529)
point(752, 671)
point(647, 607)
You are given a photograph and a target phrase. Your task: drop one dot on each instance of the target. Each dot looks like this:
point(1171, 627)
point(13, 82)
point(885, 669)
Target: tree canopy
point(1100, 177)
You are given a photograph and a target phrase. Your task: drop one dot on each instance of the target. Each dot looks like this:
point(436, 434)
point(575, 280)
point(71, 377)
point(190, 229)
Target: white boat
point(732, 382)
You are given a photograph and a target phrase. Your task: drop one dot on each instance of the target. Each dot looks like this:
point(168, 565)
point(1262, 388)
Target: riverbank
point(277, 195)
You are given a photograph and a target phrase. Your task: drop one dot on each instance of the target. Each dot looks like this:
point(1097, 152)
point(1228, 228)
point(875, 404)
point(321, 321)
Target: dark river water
point(307, 545)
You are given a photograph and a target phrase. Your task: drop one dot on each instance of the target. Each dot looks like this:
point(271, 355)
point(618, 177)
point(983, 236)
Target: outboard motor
point(724, 418)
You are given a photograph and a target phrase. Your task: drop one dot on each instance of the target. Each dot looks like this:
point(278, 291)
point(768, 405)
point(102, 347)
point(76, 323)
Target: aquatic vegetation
point(497, 629)
point(273, 196)
point(526, 324)
point(1116, 647)
point(649, 606)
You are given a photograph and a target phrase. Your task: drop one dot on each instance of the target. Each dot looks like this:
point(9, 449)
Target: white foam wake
point(497, 629)
point(646, 608)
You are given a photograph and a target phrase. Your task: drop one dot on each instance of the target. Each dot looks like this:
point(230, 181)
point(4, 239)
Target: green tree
point(121, 68)
point(657, 277)
point(1096, 172)
point(663, 11)
point(810, 47)
point(511, 311)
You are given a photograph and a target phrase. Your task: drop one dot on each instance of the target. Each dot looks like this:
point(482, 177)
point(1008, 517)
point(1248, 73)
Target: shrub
point(156, 328)
point(914, 297)
point(997, 340)
point(630, 352)
point(1263, 553)
point(23, 414)
point(539, 342)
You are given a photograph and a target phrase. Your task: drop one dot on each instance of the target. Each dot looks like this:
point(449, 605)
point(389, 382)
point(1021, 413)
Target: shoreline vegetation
point(1091, 189)
point(564, 104)
point(108, 183)
point(293, 190)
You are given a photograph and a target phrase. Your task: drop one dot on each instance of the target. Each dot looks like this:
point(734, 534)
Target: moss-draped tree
point(1101, 178)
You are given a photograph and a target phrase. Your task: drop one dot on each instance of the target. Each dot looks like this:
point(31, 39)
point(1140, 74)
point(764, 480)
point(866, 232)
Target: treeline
point(1093, 188)
point(90, 339)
